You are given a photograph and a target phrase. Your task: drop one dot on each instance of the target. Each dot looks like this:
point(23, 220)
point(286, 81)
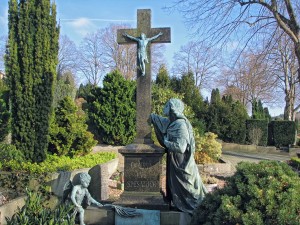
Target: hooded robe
point(175, 133)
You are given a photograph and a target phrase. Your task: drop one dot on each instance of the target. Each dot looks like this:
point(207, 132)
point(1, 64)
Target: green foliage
point(55, 163)
point(283, 133)
point(112, 109)
point(65, 87)
point(162, 78)
point(160, 96)
point(266, 193)
point(9, 152)
point(191, 93)
point(15, 183)
point(208, 149)
point(68, 131)
point(34, 212)
point(226, 118)
point(30, 63)
point(4, 111)
point(295, 163)
point(185, 86)
point(84, 91)
point(258, 112)
point(257, 132)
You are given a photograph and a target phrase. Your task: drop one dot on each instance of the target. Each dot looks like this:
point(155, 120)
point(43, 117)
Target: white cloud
point(80, 23)
point(81, 26)
point(84, 25)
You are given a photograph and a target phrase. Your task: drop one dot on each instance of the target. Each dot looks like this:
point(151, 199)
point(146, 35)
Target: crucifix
point(143, 36)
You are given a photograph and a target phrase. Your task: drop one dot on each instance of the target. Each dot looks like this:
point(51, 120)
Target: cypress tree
point(4, 111)
point(259, 112)
point(31, 68)
point(162, 78)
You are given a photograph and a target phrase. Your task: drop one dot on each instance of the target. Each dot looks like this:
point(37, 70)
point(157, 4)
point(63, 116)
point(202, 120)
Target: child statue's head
point(85, 179)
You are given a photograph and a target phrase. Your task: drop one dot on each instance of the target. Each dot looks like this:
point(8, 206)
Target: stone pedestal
point(142, 177)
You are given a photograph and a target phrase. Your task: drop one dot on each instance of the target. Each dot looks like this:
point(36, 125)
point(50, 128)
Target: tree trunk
point(297, 51)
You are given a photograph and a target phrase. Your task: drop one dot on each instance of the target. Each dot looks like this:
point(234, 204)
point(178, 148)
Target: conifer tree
point(163, 79)
point(112, 109)
point(31, 69)
point(226, 118)
point(4, 111)
point(259, 112)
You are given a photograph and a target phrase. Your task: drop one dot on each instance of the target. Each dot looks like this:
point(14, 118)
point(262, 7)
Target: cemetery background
point(187, 93)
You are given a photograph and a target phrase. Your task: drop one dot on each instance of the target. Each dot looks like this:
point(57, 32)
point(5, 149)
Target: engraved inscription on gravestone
point(143, 174)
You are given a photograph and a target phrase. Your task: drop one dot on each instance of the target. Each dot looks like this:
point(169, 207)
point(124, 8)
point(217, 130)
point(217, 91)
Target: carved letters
point(143, 175)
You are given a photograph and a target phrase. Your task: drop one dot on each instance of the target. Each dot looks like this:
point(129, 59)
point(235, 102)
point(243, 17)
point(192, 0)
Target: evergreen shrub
point(283, 133)
point(226, 118)
point(257, 132)
point(30, 65)
point(160, 96)
point(266, 193)
point(112, 109)
point(68, 131)
point(9, 152)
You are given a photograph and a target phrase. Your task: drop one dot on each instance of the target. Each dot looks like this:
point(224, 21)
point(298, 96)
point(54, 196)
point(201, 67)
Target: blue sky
point(79, 17)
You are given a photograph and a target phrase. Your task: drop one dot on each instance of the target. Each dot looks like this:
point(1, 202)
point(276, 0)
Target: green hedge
point(55, 163)
point(257, 132)
point(282, 133)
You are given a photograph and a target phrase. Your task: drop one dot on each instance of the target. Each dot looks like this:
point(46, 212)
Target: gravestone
point(142, 159)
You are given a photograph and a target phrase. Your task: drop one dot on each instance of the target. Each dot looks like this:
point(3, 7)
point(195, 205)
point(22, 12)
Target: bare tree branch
point(222, 20)
point(199, 59)
point(67, 56)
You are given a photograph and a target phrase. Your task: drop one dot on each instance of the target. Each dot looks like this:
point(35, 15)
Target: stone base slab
point(96, 216)
point(145, 200)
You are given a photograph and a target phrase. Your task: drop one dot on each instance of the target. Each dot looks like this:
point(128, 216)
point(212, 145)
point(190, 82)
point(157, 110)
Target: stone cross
point(143, 95)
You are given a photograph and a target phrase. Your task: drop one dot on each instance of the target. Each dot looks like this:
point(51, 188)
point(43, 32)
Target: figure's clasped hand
point(166, 141)
point(99, 205)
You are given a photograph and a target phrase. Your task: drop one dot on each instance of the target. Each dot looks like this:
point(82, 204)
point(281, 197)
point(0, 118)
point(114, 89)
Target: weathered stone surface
point(142, 167)
point(100, 175)
point(143, 99)
point(147, 217)
point(142, 200)
point(98, 187)
point(142, 177)
point(294, 152)
point(58, 180)
point(215, 168)
point(95, 216)
point(8, 209)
